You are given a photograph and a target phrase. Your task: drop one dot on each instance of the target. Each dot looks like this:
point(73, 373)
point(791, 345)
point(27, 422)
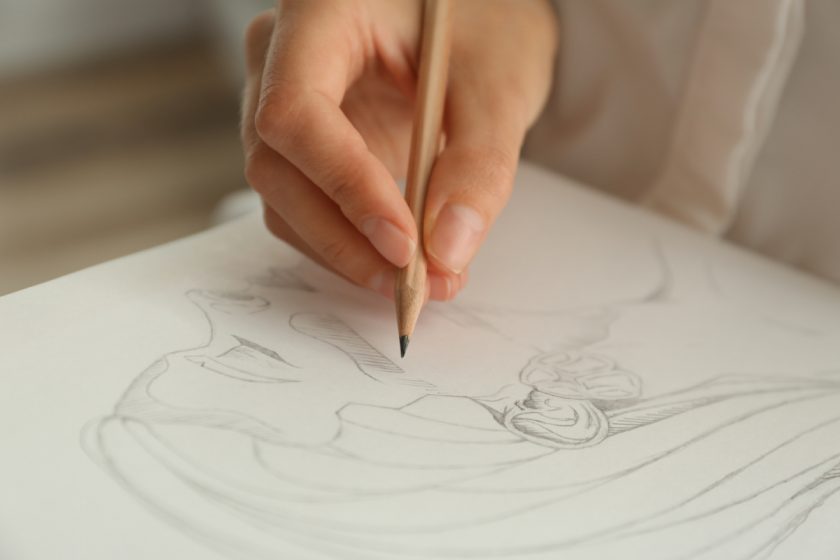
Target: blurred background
point(118, 127)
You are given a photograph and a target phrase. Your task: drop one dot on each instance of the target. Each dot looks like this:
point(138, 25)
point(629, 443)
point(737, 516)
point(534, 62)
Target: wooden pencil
point(410, 290)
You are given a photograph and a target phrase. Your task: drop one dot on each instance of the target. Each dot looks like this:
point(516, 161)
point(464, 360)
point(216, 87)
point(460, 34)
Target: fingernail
point(456, 236)
point(391, 242)
point(383, 283)
point(440, 287)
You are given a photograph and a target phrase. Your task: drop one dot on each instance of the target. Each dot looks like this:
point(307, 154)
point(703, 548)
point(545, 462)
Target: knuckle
point(257, 169)
point(344, 178)
point(274, 223)
point(340, 191)
point(277, 116)
point(341, 187)
point(335, 251)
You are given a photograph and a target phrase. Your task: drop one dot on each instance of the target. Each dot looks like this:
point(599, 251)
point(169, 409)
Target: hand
point(328, 111)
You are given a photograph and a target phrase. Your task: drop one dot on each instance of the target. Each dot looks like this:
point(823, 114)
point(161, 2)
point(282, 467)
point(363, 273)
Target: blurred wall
point(118, 127)
point(230, 18)
point(38, 35)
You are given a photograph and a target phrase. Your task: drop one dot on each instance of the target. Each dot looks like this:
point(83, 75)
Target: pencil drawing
point(289, 431)
point(334, 332)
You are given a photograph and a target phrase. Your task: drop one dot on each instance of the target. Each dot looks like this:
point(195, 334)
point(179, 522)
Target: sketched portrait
point(292, 433)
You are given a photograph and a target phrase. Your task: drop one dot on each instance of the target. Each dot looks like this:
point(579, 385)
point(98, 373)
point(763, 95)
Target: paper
point(608, 386)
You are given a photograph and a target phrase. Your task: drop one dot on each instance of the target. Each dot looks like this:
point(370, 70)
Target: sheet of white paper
point(609, 385)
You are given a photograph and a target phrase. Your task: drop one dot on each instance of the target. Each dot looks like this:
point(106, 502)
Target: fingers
point(316, 52)
point(495, 92)
point(439, 287)
point(304, 217)
point(444, 286)
point(326, 194)
point(316, 219)
point(471, 181)
point(337, 247)
point(257, 39)
point(297, 211)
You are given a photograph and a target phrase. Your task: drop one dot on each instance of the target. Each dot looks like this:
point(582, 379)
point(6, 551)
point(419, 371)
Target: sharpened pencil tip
point(403, 345)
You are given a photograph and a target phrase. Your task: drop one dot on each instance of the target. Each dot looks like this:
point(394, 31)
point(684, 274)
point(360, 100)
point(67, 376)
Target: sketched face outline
point(563, 400)
point(292, 392)
point(567, 385)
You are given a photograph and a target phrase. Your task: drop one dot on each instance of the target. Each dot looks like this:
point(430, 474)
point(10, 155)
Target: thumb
point(470, 183)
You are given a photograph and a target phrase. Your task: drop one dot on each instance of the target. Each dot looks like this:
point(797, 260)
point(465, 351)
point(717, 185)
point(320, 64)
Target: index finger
point(317, 50)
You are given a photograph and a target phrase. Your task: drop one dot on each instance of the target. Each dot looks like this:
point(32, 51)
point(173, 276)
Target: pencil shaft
point(425, 143)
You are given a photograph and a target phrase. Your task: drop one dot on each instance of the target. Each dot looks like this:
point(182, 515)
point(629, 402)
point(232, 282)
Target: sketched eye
point(560, 423)
point(540, 400)
point(251, 362)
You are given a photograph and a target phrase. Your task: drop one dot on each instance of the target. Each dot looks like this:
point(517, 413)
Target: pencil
point(410, 290)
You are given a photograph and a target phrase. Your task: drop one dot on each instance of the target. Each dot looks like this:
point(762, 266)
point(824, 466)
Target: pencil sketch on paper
point(311, 439)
